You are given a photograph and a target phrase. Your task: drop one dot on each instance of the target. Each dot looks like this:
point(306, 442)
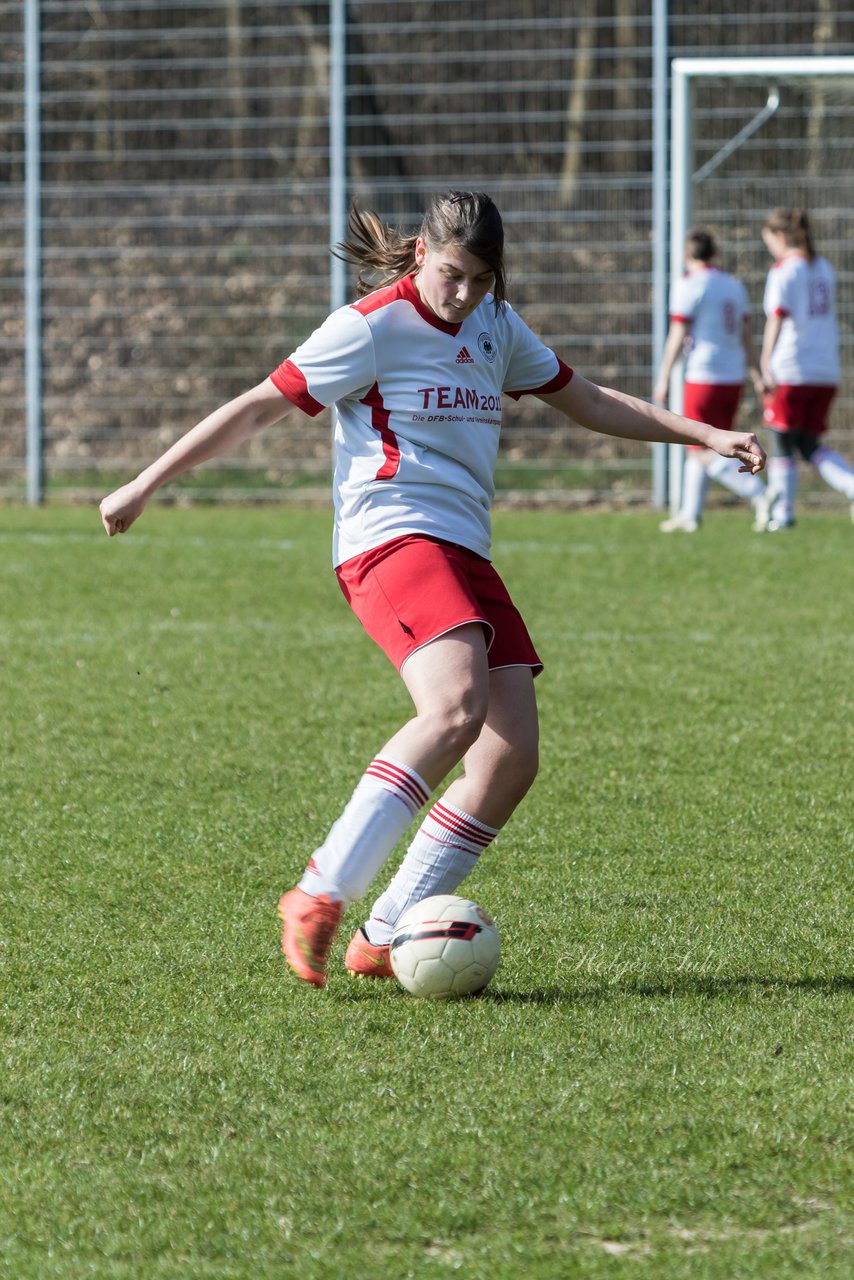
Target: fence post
point(338, 145)
point(32, 254)
point(660, 452)
point(681, 214)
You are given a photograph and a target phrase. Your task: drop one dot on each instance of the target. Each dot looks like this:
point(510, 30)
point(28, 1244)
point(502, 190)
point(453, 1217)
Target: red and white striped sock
point(440, 857)
point(387, 798)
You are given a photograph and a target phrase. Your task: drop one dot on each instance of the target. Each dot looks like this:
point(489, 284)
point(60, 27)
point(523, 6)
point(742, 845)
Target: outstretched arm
point(221, 432)
point(614, 414)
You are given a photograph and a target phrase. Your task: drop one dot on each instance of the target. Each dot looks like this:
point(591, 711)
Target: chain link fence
point(185, 178)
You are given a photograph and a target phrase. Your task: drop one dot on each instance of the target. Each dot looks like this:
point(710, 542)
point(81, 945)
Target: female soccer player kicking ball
point(416, 372)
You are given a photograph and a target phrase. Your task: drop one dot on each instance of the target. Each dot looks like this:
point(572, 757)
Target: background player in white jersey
point(710, 328)
point(800, 364)
point(416, 371)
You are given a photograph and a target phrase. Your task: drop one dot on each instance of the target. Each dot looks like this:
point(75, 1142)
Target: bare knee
point(457, 725)
point(461, 726)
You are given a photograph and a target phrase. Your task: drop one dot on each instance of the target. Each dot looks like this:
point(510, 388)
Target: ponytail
point(794, 225)
point(375, 248)
point(384, 256)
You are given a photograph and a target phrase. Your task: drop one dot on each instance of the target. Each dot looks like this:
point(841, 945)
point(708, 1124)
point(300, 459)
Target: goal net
point(748, 135)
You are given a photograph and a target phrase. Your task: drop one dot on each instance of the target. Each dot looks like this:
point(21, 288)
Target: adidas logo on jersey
point(464, 357)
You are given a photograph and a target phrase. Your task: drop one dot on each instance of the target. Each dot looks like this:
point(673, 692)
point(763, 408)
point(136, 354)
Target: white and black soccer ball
point(445, 946)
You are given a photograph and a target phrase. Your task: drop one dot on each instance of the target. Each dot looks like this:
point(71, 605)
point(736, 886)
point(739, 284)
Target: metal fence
point(185, 204)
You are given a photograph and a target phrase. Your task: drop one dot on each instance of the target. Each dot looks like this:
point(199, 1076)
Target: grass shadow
point(669, 987)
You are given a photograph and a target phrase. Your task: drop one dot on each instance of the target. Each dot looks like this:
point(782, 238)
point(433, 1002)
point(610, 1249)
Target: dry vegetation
point(185, 161)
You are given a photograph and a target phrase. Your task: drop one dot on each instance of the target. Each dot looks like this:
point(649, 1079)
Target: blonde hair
point(384, 255)
point(794, 225)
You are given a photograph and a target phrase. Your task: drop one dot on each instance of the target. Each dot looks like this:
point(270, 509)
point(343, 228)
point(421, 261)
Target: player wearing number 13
point(800, 363)
point(416, 372)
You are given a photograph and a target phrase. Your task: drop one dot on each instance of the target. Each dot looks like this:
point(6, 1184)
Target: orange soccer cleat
point(308, 929)
point(364, 959)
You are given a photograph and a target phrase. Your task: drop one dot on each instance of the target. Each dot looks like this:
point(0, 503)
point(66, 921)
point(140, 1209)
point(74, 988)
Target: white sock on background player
point(782, 488)
point(440, 857)
point(387, 798)
point(835, 471)
point(693, 489)
point(726, 472)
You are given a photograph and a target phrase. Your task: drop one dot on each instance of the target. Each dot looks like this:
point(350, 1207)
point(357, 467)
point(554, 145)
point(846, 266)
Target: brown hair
point(795, 226)
point(467, 218)
point(700, 245)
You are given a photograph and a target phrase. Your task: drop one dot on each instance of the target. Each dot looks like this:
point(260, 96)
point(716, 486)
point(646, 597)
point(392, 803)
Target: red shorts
point(414, 589)
point(802, 408)
point(715, 403)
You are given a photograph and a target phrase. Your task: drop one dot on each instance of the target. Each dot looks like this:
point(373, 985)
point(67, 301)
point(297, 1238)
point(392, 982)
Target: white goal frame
point(683, 177)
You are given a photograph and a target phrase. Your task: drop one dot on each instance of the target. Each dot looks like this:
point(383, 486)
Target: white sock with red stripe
point(440, 857)
point(383, 805)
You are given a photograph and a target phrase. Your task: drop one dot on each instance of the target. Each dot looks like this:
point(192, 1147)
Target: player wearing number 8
point(800, 363)
point(710, 328)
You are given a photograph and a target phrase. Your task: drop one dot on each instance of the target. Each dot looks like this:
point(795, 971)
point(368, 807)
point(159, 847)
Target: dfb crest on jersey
point(486, 346)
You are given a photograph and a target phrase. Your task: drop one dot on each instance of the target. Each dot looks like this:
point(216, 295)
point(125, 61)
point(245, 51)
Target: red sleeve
point(557, 383)
point(291, 382)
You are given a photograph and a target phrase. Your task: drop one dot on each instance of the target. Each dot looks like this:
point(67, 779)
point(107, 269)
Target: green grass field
point(658, 1083)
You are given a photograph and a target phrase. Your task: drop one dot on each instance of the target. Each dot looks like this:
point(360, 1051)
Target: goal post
point(777, 75)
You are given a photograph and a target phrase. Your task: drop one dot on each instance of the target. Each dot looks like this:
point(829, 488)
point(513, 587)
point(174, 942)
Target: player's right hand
point(121, 508)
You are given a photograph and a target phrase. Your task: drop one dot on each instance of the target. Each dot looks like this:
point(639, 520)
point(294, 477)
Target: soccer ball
point(445, 946)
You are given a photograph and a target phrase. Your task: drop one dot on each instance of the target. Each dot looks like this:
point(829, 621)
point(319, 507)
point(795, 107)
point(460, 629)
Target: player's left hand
point(745, 446)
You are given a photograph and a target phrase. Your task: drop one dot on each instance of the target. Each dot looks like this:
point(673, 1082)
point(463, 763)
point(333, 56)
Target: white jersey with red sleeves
point(714, 305)
point(802, 292)
point(417, 412)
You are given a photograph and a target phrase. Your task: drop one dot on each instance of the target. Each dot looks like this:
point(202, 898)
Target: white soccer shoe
point(679, 524)
point(777, 526)
point(761, 514)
